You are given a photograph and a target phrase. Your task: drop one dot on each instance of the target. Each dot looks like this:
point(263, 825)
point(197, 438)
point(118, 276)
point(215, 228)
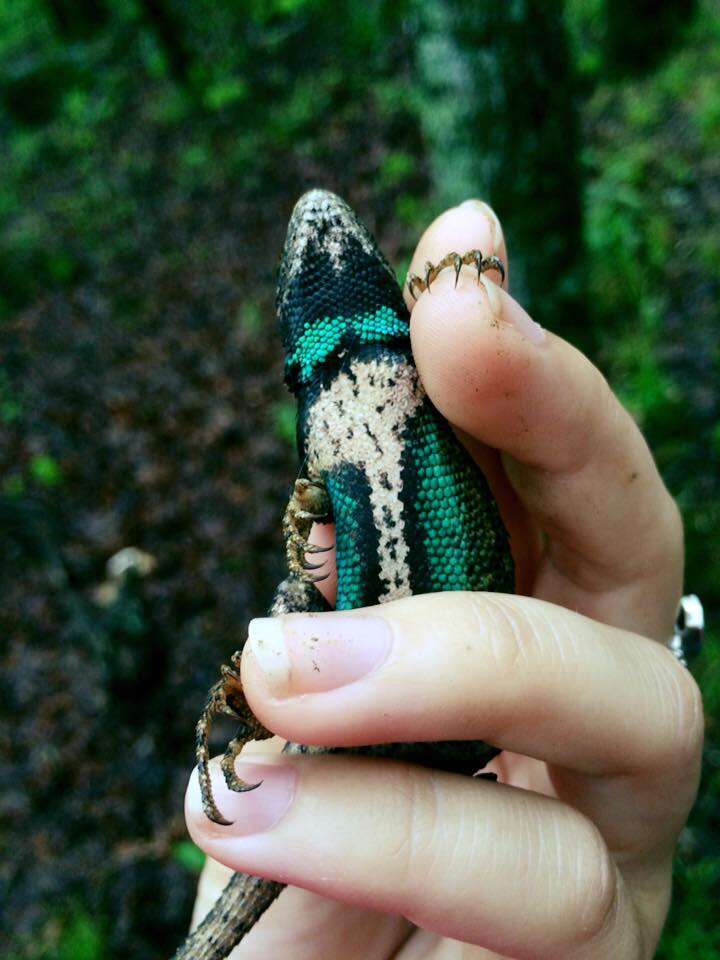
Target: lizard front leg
point(308, 504)
point(455, 260)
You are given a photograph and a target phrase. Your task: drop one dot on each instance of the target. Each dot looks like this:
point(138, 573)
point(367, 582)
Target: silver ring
point(687, 638)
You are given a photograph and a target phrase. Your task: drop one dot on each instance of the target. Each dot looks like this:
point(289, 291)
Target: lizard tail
point(242, 903)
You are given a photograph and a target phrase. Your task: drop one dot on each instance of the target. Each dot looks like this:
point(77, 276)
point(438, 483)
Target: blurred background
point(151, 152)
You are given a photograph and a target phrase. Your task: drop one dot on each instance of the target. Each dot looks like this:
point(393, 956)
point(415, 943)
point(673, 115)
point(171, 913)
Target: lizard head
point(336, 292)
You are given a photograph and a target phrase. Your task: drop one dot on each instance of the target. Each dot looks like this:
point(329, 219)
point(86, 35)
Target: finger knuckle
point(662, 538)
point(595, 415)
point(412, 854)
point(686, 725)
point(593, 886)
point(442, 836)
point(512, 631)
point(675, 530)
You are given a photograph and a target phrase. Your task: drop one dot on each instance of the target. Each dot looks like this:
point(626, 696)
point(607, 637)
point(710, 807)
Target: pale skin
point(569, 855)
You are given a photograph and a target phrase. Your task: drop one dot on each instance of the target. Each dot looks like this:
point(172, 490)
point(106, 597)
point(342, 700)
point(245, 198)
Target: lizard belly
point(359, 421)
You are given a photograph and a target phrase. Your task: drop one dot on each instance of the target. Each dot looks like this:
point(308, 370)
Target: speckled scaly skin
point(413, 513)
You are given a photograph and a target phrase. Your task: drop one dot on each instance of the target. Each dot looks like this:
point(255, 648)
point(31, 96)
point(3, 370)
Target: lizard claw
point(457, 264)
point(309, 504)
point(224, 699)
point(227, 765)
point(215, 705)
point(488, 263)
point(429, 268)
point(456, 261)
point(497, 264)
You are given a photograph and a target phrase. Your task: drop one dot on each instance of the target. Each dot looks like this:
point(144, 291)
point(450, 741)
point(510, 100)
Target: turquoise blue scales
point(413, 513)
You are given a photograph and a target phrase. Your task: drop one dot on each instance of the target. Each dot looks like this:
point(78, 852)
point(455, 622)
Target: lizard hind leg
point(309, 504)
point(224, 699)
point(227, 765)
point(215, 705)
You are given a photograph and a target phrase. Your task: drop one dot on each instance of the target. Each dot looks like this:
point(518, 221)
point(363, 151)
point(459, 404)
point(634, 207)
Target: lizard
point(412, 511)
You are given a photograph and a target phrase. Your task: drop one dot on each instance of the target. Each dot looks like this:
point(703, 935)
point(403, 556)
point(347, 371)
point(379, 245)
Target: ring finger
point(447, 852)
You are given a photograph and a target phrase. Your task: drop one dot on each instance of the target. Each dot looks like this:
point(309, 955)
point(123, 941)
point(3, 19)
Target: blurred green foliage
point(190, 856)
point(151, 151)
point(81, 938)
point(498, 101)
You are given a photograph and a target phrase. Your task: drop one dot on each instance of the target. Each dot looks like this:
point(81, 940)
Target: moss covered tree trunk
point(501, 123)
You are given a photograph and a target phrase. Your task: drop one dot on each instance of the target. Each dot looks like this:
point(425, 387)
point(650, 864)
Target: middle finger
point(524, 675)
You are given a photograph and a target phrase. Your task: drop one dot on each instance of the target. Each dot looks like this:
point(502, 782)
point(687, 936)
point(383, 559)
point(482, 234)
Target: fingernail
point(493, 296)
point(309, 654)
point(511, 312)
point(256, 810)
point(524, 324)
point(496, 233)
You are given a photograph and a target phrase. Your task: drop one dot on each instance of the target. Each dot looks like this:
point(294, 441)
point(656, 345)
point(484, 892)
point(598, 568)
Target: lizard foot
point(225, 699)
point(308, 504)
point(456, 261)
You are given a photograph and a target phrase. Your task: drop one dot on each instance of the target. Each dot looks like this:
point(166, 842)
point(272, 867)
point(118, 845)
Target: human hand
point(569, 854)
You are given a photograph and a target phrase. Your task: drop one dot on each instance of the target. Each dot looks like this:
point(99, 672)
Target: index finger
point(574, 456)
